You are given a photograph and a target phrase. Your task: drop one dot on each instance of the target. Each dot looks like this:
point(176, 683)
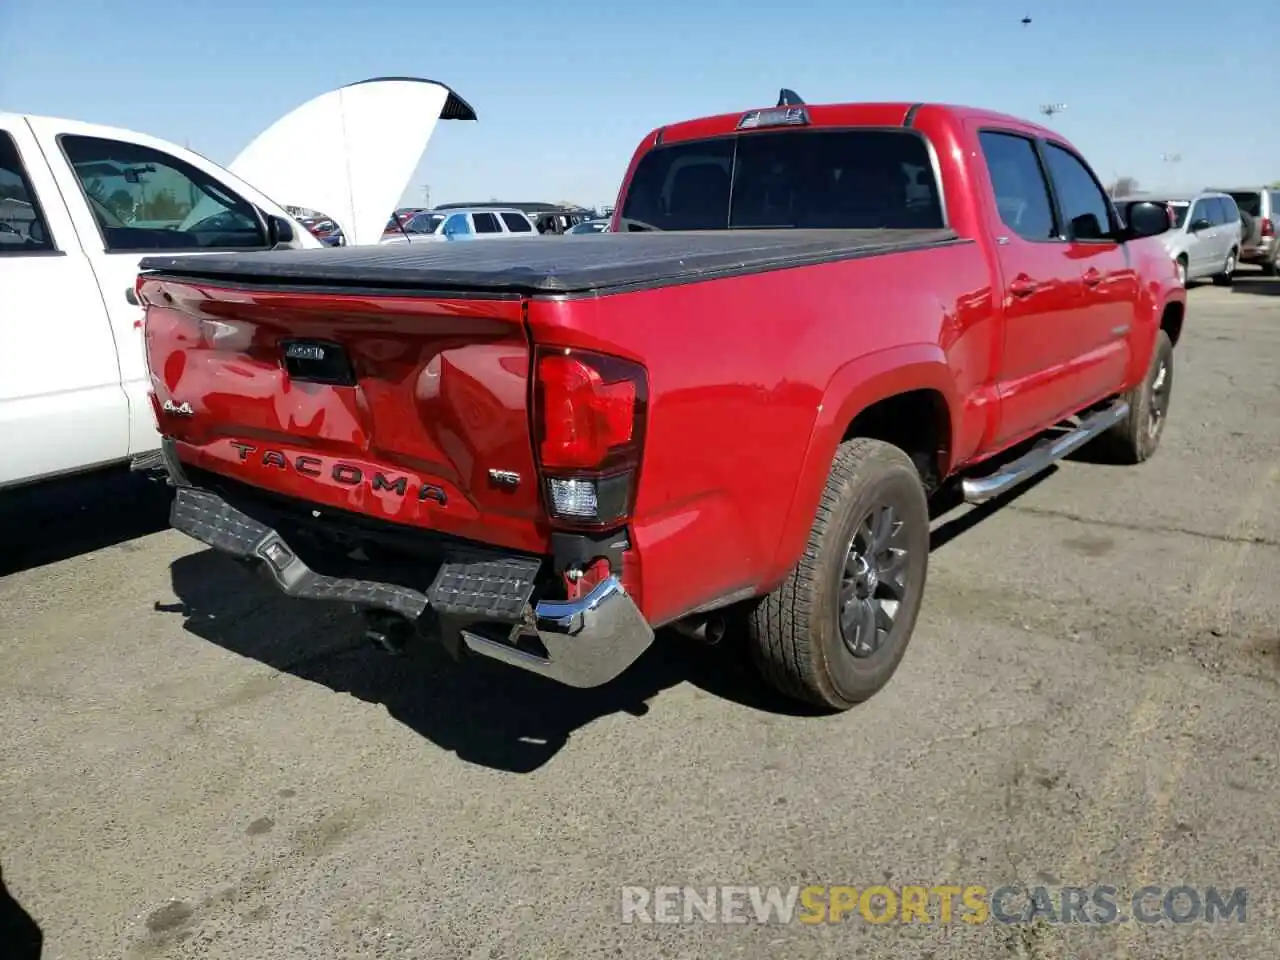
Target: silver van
point(1205, 234)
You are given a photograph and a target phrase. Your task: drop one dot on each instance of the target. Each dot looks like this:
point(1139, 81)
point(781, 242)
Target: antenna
point(789, 98)
point(1049, 109)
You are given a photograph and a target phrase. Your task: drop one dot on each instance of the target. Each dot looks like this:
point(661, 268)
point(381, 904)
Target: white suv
point(486, 224)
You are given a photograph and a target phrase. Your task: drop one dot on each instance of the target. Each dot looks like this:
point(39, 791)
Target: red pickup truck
point(732, 408)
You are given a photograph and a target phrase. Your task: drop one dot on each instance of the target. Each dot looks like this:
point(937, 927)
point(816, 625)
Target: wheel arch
point(905, 396)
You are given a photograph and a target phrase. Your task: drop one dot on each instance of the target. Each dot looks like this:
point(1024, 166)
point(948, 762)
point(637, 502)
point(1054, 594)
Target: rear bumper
point(1262, 252)
point(587, 641)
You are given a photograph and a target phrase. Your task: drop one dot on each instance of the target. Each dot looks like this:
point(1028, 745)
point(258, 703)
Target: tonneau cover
point(550, 265)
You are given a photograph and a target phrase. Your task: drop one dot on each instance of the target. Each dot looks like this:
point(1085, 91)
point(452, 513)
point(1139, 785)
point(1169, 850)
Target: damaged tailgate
point(408, 409)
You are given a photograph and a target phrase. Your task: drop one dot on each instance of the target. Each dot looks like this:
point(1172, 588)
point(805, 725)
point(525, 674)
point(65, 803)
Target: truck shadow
point(20, 936)
point(485, 713)
point(54, 521)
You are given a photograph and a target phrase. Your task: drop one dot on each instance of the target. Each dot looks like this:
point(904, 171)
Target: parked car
point(1205, 234)
point(463, 225)
point(733, 409)
point(81, 204)
point(325, 230)
point(1260, 207)
point(589, 226)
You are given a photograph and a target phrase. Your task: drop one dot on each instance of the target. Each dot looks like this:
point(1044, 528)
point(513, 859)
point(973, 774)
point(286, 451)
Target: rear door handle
point(1023, 287)
point(1092, 277)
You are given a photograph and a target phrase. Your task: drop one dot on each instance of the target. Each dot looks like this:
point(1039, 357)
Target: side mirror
point(1200, 223)
point(279, 230)
point(1146, 219)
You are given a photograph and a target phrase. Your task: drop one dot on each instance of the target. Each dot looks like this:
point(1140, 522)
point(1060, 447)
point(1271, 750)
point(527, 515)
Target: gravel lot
point(1090, 699)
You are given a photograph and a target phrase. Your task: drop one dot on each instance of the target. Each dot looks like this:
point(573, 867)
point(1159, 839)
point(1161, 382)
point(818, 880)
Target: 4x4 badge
point(178, 409)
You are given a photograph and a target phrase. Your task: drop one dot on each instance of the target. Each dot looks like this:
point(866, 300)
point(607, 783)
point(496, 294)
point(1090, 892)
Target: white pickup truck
point(81, 204)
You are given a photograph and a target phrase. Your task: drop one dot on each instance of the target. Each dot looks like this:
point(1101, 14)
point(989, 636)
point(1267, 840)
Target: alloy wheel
point(874, 581)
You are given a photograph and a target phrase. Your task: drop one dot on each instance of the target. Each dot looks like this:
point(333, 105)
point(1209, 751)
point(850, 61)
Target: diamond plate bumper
point(588, 641)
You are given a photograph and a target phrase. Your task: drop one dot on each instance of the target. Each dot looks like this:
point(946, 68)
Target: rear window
point(805, 179)
point(516, 223)
point(1250, 203)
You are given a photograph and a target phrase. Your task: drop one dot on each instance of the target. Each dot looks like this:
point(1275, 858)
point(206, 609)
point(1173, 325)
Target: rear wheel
point(834, 633)
point(1135, 438)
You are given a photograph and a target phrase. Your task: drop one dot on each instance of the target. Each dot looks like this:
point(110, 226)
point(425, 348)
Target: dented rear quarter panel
point(752, 381)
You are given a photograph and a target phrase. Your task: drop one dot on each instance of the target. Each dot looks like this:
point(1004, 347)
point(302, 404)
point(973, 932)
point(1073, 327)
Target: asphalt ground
point(193, 766)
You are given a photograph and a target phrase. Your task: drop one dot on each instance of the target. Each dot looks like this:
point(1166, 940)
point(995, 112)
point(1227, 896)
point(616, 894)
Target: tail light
point(589, 418)
point(1268, 228)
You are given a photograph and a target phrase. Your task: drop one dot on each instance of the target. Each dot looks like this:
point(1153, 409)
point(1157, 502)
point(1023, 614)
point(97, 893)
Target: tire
point(1271, 267)
point(1224, 278)
point(1136, 438)
point(796, 639)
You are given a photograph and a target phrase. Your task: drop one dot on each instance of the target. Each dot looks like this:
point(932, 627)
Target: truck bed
point(553, 266)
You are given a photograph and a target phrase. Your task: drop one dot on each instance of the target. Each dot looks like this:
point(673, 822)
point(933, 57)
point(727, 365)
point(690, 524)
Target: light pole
point(426, 195)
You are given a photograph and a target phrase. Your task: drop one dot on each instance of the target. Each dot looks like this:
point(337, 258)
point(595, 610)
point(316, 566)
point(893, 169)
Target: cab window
point(804, 179)
point(145, 199)
point(1018, 182)
point(1084, 203)
point(22, 226)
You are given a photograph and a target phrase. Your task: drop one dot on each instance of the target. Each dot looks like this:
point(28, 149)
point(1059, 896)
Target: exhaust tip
point(387, 632)
point(708, 629)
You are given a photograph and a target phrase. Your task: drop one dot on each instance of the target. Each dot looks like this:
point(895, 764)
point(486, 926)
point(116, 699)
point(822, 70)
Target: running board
point(1043, 455)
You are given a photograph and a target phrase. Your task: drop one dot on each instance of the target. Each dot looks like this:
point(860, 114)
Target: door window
point(457, 226)
point(1022, 195)
point(1084, 203)
point(486, 223)
point(516, 223)
point(22, 226)
point(145, 199)
point(1199, 212)
point(1230, 212)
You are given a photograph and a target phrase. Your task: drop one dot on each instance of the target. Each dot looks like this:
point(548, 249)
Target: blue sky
point(564, 89)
